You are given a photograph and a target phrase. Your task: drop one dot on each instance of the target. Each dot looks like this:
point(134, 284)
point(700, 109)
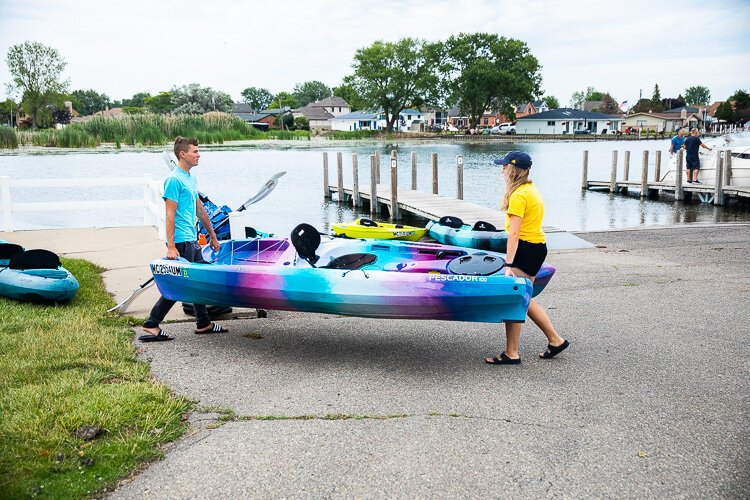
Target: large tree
point(741, 105)
point(194, 99)
point(160, 103)
point(284, 100)
point(656, 104)
point(257, 98)
point(312, 91)
point(88, 102)
point(485, 72)
point(394, 76)
point(609, 105)
point(725, 112)
point(36, 70)
point(697, 95)
point(551, 101)
point(347, 91)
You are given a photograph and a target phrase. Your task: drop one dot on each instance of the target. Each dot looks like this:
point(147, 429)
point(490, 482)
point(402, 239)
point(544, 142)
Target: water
point(230, 175)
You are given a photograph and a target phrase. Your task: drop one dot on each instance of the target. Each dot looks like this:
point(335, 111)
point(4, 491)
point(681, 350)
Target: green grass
point(65, 366)
point(8, 138)
point(354, 134)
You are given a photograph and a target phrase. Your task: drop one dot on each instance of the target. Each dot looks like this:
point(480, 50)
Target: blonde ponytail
point(515, 177)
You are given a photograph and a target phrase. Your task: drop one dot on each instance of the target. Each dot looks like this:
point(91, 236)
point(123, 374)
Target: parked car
point(582, 131)
point(450, 128)
point(503, 128)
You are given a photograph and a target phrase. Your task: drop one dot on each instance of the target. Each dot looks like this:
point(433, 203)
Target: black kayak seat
point(450, 221)
point(34, 259)
point(8, 250)
point(351, 261)
point(306, 240)
point(367, 222)
point(476, 265)
point(481, 225)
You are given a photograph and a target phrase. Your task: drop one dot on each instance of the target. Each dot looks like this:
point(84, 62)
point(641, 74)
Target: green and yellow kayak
point(367, 228)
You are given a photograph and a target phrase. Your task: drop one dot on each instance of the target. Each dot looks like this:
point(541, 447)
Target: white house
point(568, 121)
point(408, 119)
point(320, 113)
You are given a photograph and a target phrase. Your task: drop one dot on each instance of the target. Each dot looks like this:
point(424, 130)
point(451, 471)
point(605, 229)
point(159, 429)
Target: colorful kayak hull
point(263, 276)
point(383, 231)
point(467, 237)
point(36, 285)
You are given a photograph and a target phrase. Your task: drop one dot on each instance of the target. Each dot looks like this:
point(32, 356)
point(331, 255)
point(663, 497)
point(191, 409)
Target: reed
point(8, 138)
point(288, 135)
point(69, 137)
point(353, 134)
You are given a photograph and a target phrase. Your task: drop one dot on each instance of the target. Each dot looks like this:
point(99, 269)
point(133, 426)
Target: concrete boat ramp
point(651, 399)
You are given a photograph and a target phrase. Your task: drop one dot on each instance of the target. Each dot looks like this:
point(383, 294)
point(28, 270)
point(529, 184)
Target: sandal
point(159, 337)
point(503, 359)
point(212, 328)
point(554, 350)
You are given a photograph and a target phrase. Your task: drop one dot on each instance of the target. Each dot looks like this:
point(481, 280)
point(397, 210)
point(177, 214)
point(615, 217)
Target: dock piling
point(374, 206)
point(326, 187)
point(657, 166)
point(584, 179)
point(395, 215)
point(414, 170)
point(377, 166)
point(340, 174)
point(356, 201)
point(679, 194)
point(718, 178)
point(434, 173)
point(460, 177)
point(728, 167)
point(644, 175)
point(626, 166)
point(613, 173)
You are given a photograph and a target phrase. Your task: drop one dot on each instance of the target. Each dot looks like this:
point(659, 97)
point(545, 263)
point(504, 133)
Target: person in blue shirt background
point(183, 208)
point(677, 142)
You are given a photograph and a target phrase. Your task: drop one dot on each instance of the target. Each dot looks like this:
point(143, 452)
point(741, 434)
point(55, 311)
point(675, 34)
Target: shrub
point(8, 138)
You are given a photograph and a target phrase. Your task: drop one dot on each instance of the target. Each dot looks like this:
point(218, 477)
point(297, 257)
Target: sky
point(122, 47)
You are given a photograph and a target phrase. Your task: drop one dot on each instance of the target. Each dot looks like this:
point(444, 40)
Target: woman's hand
point(509, 272)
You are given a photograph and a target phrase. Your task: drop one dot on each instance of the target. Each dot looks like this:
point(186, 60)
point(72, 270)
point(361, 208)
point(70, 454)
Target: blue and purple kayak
point(368, 278)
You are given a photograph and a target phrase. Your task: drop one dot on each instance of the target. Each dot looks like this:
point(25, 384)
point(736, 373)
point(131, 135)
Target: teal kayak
point(482, 235)
point(34, 275)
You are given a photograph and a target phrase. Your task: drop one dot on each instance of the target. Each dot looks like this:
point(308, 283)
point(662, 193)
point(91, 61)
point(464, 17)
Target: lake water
point(230, 175)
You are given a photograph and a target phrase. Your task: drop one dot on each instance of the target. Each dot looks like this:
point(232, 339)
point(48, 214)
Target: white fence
point(151, 202)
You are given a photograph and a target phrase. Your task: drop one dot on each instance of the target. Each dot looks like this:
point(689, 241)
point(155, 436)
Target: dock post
point(613, 173)
point(394, 186)
point(718, 178)
point(644, 175)
point(585, 178)
point(8, 206)
point(728, 167)
point(679, 195)
point(374, 206)
point(460, 177)
point(434, 173)
point(326, 187)
point(414, 170)
point(340, 175)
point(626, 166)
point(377, 166)
point(355, 181)
point(657, 166)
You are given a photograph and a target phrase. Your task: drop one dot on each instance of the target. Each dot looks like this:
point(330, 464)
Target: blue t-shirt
point(692, 145)
point(677, 143)
point(182, 188)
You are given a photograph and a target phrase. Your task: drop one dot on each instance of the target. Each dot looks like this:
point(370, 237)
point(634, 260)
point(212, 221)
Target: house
point(357, 120)
point(568, 121)
point(245, 112)
point(540, 106)
point(666, 122)
point(435, 118)
point(335, 105)
point(525, 109)
point(320, 113)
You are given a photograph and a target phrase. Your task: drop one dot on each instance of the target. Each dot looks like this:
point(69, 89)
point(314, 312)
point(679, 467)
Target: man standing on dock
point(692, 161)
point(677, 142)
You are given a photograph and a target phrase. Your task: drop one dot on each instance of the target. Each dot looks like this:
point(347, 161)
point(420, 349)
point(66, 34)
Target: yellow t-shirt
point(526, 202)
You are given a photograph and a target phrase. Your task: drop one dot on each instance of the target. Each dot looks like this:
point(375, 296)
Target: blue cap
point(517, 158)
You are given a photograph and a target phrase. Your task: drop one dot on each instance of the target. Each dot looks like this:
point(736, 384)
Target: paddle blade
point(122, 306)
point(264, 191)
point(169, 160)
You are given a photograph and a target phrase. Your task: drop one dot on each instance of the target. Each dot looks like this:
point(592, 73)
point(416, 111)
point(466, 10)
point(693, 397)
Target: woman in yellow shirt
point(527, 249)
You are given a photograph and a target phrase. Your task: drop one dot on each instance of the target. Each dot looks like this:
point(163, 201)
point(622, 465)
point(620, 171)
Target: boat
point(482, 235)
point(353, 277)
point(368, 228)
point(34, 275)
point(740, 177)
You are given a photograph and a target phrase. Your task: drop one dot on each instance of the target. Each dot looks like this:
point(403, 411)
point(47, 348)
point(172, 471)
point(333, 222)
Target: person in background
point(526, 252)
point(183, 207)
point(692, 146)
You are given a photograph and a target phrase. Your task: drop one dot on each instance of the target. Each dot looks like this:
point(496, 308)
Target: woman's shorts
point(530, 257)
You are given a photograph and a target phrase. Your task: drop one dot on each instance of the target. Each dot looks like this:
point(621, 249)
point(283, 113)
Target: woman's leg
point(539, 316)
point(512, 339)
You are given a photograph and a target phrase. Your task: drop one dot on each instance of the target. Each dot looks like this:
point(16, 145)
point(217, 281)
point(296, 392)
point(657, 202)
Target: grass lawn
point(65, 367)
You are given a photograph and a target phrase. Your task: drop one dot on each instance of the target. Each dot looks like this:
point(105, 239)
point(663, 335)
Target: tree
point(673, 102)
point(725, 112)
point(394, 76)
point(36, 71)
point(577, 99)
point(308, 92)
point(137, 101)
point(551, 101)
point(741, 105)
point(486, 72)
point(284, 100)
point(194, 99)
point(656, 104)
point(347, 92)
point(301, 123)
point(88, 102)
point(257, 98)
point(159, 104)
point(698, 95)
point(609, 105)
point(8, 110)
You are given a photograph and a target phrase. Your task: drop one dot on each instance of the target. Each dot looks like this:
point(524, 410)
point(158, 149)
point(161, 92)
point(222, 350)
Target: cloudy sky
point(122, 47)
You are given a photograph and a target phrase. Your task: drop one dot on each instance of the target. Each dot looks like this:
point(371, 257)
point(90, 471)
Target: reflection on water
point(229, 175)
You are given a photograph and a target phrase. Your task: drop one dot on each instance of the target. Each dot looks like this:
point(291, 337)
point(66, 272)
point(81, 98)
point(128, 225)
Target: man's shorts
point(693, 163)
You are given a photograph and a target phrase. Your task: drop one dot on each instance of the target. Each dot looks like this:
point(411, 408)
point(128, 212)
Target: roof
point(410, 112)
point(688, 109)
point(569, 113)
point(522, 107)
point(589, 105)
point(330, 101)
point(276, 111)
point(241, 107)
point(538, 104)
point(314, 113)
point(253, 117)
point(358, 115)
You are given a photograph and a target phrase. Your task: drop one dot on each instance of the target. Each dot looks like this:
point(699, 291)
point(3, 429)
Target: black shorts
point(693, 162)
point(530, 257)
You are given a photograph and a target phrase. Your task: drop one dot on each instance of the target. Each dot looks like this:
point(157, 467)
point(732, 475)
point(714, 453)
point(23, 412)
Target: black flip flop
point(503, 359)
point(215, 328)
point(554, 350)
point(159, 337)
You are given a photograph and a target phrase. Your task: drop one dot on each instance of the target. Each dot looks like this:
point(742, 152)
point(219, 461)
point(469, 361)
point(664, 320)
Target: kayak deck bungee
point(367, 228)
point(482, 236)
point(380, 279)
point(34, 275)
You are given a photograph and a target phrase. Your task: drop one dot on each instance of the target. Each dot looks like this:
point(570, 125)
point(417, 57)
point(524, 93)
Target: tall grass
point(69, 137)
point(288, 135)
point(63, 367)
point(8, 138)
point(354, 134)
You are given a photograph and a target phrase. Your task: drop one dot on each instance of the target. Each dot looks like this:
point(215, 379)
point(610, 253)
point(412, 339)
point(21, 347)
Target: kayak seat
point(8, 250)
point(34, 259)
point(398, 226)
point(448, 254)
point(476, 265)
point(351, 261)
point(484, 226)
point(450, 221)
point(367, 222)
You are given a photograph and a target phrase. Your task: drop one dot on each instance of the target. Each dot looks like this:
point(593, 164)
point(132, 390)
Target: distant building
point(320, 113)
point(667, 122)
point(408, 120)
point(568, 121)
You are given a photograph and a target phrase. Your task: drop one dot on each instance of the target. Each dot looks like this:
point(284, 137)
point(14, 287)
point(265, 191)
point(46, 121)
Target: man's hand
point(509, 272)
point(172, 252)
point(215, 245)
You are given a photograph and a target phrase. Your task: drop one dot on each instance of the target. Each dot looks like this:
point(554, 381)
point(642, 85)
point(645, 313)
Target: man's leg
point(192, 253)
point(157, 315)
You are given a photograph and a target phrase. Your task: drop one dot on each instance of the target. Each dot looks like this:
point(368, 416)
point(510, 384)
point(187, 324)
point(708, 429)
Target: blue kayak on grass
point(482, 235)
point(34, 275)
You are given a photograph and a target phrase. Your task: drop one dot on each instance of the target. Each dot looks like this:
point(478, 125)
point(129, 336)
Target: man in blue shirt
point(677, 142)
point(692, 161)
point(183, 208)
